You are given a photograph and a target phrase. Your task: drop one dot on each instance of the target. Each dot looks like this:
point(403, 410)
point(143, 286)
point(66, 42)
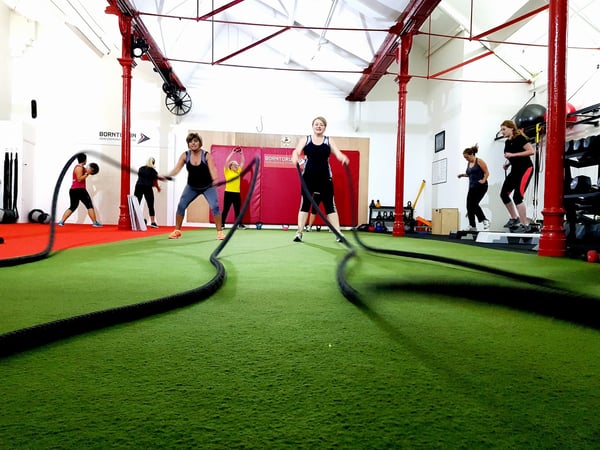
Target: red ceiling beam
point(510, 22)
point(219, 10)
point(242, 50)
point(410, 21)
point(462, 64)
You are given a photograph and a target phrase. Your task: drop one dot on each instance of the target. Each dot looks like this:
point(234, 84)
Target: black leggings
point(321, 189)
point(231, 199)
point(148, 192)
point(77, 195)
point(517, 181)
point(474, 196)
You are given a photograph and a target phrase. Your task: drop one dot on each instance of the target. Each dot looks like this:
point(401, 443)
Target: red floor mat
point(22, 239)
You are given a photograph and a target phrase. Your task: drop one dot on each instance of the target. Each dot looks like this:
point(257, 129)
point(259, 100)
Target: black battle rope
point(44, 253)
point(540, 296)
point(347, 290)
point(441, 259)
point(114, 163)
point(318, 210)
point(15, 185)
point(10, 181)
point(27, 338)
point(6, 196)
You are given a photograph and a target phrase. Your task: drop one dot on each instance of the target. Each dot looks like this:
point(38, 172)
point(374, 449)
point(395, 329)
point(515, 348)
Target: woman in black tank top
point(202, 172)
point(317, 148)
point(518, 152)
point(478, 173)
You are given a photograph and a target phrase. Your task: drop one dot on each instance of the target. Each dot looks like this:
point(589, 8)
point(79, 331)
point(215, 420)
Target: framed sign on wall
point(439, 172)
point(440, 141)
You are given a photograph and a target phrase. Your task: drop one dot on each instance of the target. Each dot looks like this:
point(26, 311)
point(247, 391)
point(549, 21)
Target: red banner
point(277, 194)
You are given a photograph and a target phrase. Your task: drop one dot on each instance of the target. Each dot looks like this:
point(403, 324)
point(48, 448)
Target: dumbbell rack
point(582, 194)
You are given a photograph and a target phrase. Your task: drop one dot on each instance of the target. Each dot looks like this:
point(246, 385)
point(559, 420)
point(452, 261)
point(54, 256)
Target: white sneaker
point(470, 229)
point(486, 224)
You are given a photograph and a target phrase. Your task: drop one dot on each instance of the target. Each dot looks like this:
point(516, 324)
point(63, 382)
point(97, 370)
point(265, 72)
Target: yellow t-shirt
point(232, 185)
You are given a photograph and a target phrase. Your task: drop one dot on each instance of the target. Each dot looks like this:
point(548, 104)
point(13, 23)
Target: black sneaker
point(511, 223)
point(341, 239)
point(520, 229)
point(298, 237)
point(241, 226)
point(153, 225)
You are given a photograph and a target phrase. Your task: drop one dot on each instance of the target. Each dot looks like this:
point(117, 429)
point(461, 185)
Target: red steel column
point(552, 239)
point(126, 62)
point(403, 79)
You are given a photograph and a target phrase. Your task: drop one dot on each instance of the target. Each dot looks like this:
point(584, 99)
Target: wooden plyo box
point(444, 220)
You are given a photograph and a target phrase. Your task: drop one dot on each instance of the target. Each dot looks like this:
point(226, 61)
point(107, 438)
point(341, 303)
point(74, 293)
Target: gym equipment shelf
point(582, 195)
point(382, 217)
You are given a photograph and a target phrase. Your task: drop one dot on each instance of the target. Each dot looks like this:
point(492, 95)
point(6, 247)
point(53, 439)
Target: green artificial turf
point(278, 358)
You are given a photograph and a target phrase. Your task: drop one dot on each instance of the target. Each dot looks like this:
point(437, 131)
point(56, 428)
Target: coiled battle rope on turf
point(27, 338)
point(538, 295)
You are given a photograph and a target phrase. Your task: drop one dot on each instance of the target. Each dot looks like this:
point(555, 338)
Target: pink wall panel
point(276, 198)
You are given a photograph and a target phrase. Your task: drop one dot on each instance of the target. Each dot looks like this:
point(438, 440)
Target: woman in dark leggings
point(144, 188)
point(477, 172)
point(317, 148)
point(517, 151)
point(78, 192)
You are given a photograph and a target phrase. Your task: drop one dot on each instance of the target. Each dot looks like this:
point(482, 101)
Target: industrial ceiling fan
point(177, 102)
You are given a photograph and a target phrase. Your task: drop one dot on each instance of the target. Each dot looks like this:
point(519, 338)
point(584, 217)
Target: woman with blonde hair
point(317, 148)
point(232, 195)
point(147, 180)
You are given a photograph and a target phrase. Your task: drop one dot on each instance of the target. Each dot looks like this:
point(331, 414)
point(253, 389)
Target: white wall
point(79, 94)
point(5, 75)
point(74, 90)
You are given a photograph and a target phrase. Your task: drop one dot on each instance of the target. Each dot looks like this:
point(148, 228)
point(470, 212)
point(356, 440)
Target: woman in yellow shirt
point(232, 196)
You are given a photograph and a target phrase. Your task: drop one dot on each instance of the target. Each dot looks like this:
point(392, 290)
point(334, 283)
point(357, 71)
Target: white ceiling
point(332, 40)
point(335, 40)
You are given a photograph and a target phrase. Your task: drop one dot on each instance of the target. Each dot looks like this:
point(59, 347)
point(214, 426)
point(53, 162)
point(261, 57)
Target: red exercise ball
point(592, 256)
point(571, 109)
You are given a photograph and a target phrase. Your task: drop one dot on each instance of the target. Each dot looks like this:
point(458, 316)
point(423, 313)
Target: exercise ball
point(571, 109)
point(530, 115)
